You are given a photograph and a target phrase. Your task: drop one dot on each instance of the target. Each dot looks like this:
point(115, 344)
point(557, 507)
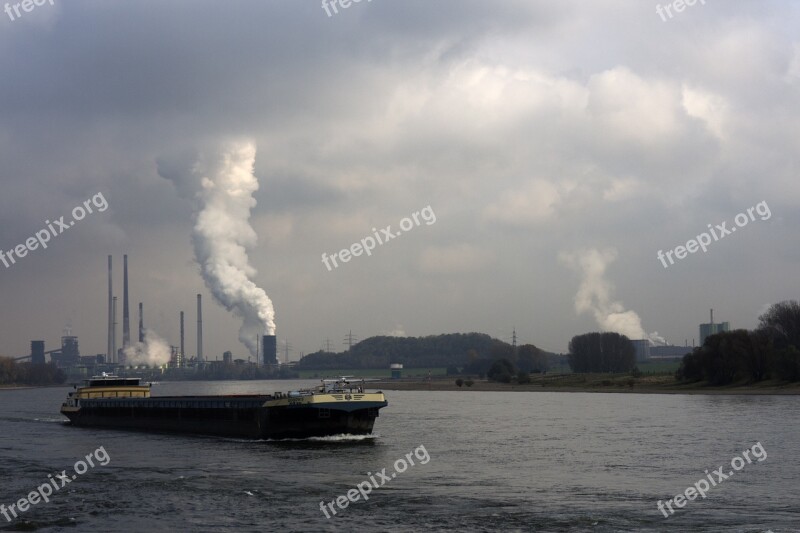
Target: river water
point(493, 461)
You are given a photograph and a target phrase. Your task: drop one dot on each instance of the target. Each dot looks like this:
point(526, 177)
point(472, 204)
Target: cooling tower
point(270, 349)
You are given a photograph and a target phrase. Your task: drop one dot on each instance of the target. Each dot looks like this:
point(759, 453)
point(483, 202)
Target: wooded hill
point(447, 350)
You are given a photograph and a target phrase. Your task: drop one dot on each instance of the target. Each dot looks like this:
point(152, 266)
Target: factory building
point(69, 354)
point(642, 347)
point(669, 351)
point(37, 352)
point(176, 357)
point(397, 370)
point(706, 330)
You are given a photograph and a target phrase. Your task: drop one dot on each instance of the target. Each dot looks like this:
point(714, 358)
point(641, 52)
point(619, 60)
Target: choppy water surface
point(498, 462)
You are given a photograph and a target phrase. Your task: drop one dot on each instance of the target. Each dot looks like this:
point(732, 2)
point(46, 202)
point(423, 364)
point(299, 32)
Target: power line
point(349, 340)
point(326, 346)
point(286, 349)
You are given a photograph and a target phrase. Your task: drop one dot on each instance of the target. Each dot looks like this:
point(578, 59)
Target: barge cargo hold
point(333, 408)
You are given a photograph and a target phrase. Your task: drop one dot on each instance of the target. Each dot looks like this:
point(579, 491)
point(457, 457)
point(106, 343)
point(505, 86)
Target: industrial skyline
point(529, 149)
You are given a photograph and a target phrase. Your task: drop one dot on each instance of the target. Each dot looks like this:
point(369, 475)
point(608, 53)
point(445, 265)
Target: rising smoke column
point(595, 293)
point(221, 183)
point(154, 351)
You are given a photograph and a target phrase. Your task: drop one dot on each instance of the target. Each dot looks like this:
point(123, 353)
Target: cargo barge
point(332, 408)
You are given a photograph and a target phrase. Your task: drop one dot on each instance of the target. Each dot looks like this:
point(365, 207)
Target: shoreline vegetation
point(608, 383)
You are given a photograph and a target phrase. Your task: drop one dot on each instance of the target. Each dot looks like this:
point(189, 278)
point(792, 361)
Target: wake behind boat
point(334, 407)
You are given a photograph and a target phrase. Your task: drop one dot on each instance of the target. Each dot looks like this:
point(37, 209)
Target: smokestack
point(126, 321)
point(270, 349)
point(199, 328)
point(110, 354)
point(114, 328)
point(712, 316)
point(141, 323)
point(183, 354)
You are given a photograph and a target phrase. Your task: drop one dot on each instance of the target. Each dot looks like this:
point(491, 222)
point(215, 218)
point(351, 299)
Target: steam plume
point(221, 183)
point(154, 351)
point(595, 293)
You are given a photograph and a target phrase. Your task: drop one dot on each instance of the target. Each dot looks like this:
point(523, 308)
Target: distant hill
point(452, 349)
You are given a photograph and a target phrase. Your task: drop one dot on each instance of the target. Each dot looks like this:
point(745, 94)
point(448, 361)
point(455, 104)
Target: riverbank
point(619, 383)
point(19, 387)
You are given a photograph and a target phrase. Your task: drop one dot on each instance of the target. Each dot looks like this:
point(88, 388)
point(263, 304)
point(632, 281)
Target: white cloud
point(454, 259)
point(535, 202)
point(712, 109)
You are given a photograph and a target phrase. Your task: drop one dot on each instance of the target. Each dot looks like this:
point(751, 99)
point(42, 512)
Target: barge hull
point(227, 417)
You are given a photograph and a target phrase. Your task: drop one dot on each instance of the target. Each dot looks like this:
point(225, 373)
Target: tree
point(786, 364)
point(601, 352)
point(8, 370)
point(782, 323)
point(756, 359)
point(501, 350)
point(724, 358)
point(523, 377)
point(501, 370)
point(459, 382)
point(531, 359)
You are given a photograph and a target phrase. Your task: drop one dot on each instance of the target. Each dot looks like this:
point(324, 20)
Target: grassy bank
point(622, 383)
point(372, 373)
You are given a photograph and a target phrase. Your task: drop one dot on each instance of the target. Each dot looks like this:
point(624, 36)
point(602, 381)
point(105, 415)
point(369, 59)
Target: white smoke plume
point(595, 293)
point(154, 351)
point(221, 184)
point(656, 339)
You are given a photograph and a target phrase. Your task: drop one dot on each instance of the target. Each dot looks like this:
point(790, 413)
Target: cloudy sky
point(560, 144)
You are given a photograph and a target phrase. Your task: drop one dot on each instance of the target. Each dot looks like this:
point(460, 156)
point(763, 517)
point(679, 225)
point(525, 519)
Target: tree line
point(505, 364)
point(230, 372)
point(771, 351)
point(13, 373)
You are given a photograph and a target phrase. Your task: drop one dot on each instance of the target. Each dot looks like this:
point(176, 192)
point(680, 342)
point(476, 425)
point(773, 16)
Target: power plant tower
point(270, 349)
point(182, 354)
point(37, 352)
point(114, 328)
point(200, 329)
point(141, 323)
point(126, 321)
point(110, 352)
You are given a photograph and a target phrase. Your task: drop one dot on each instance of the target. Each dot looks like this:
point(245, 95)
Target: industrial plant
point(134, 358)
point(647, 350)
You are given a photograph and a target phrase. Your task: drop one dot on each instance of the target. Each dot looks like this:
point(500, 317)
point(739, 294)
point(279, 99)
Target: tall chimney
point(114, 329)
point(141, 323)
point(126, 321)
point(183, 354)
point(110, 351)
point(712, 316)
point(199, 328)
